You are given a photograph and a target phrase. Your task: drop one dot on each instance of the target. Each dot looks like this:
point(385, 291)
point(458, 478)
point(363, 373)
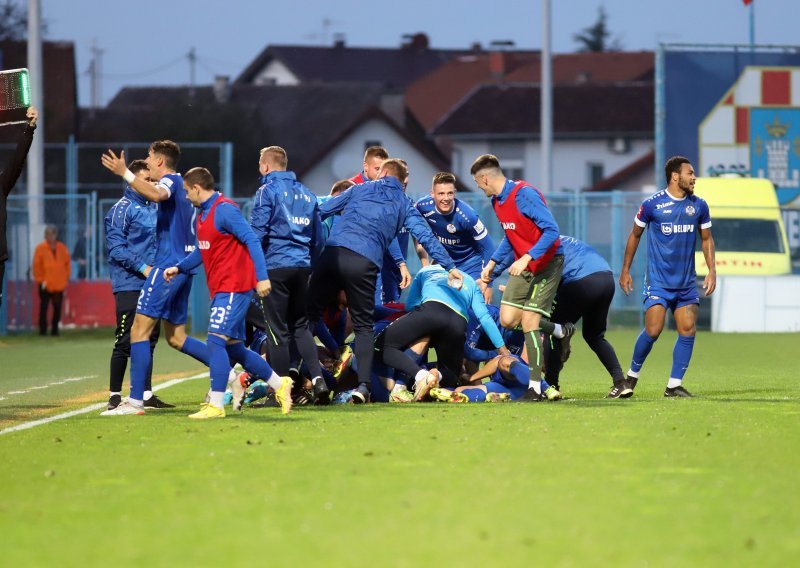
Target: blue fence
point(603, 220)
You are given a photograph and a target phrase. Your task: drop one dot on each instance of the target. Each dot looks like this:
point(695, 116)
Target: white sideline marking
point(61, 382)
point(90, 408)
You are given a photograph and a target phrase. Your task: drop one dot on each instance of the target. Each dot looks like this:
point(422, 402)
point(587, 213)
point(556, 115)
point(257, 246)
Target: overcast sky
point(146, 42)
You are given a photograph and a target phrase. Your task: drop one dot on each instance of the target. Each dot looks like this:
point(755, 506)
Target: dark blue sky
point(146, 41)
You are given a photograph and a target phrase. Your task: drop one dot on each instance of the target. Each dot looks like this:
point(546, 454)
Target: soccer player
point(8, 178)
point(374, 156)
point(673, 217)
point(394, 274)
point(458, 228)
point(586, 291)
point(439, 311)
point(532, 233)
point(508, 380)
point(286, 221)
point(160, 300)
point(371, 215)
point(130, 227)
point(478, 347)
point(234, 263)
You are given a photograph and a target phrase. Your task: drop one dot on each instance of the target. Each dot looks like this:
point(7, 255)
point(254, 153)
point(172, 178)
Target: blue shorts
point(228, 314)
point(160, 299)
point(670, 299)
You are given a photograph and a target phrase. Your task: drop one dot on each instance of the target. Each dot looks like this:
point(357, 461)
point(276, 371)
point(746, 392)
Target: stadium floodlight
point(15, 96)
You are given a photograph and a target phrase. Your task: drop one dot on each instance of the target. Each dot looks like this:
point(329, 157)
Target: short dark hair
point(376, 152)
point(484, 162)
point(169, 150)
point(674, 165)
point(137, 165)
point(444, 177)
point(276, 155)
point(199, 176)
point(395, 168)
point(341, 186)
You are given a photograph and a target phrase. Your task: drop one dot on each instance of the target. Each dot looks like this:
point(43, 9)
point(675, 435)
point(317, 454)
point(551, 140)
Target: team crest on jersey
point(666, 228)
point(690, 211)
point(451, 228)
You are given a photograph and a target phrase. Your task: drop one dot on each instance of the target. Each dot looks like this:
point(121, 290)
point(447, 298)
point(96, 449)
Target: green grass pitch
point(711, 481)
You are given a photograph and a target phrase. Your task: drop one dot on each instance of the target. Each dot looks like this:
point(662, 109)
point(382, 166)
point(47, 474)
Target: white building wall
point(571, 159)
point(276, 73)
point(347, 158)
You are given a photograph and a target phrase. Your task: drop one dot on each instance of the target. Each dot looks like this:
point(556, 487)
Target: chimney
point(500, 57)
point(222, 88)
point(338, 40)
point(415, 42)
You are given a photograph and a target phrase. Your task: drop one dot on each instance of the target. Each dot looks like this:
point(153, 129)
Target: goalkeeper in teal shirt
point(440, 312)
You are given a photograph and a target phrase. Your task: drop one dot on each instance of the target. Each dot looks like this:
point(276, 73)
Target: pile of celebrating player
point(333, 267)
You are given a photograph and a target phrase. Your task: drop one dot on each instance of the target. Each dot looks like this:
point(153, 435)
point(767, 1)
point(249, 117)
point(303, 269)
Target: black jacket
point(8, 177)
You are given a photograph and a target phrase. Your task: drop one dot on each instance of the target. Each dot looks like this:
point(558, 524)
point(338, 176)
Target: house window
point(511, 154)
point(594, 173)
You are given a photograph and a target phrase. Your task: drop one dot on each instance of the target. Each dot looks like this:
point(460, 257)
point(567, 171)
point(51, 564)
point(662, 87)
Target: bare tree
point(597, 37)
point(13, 20)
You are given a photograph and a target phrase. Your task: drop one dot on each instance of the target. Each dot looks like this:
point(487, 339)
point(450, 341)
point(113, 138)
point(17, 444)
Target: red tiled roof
point(433, 95)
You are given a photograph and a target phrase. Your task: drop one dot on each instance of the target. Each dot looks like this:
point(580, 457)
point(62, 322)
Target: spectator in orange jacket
point(51, 269)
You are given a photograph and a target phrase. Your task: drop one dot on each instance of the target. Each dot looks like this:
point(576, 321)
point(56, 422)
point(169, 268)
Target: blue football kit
point(176, 239)
point(672, 230)
point(462, 233)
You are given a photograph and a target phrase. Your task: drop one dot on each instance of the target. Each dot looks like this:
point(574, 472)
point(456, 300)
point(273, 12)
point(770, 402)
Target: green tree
point(597, 37)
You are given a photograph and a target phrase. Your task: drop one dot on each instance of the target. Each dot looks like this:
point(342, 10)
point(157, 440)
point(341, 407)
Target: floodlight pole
point(546, 118)
point(35, 181)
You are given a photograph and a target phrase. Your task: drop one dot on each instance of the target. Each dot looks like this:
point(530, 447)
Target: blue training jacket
point(130, 227)
point(372, 214)
point(286, 221)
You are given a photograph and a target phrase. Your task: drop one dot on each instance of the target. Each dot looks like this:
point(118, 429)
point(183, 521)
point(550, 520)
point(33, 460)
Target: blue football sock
point(197, 349)
point(681, 354)
point(475, 395)
point(141, 359)
point(219, 365)
point(250, 360)
point(644, 343)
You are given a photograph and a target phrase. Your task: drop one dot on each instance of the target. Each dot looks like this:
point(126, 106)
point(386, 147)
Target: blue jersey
point(672, 228)
point(461, 232)
point(130, 227)
point(580, 260)
point(175, 223)
point(477, 346)
point(286, 221)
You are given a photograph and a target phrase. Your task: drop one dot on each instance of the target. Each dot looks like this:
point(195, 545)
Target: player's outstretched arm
point(116, 164)
point(710, 282)
point(625, 280)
